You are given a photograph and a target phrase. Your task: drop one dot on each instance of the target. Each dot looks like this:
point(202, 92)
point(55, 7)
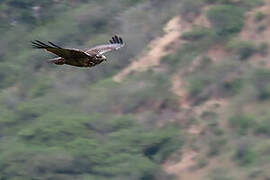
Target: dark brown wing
point(62, 52)
point(115, 44)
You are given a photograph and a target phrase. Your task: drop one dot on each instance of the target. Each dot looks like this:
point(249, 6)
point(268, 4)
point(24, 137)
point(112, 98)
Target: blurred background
point(188, 97)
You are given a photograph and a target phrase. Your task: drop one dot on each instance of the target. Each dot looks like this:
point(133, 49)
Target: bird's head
point(101, 57)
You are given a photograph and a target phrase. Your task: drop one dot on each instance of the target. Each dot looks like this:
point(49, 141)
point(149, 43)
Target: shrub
point(98, 145)
point(171, 59)
point(198, 33)
point(184, 55)
point(251, 3)
point(220, 174)
point(256, 174)
point(261, 83)
point(226, 19)
point(211, 1)
point(31, 110)
point(189, 7)
point(242, 123)
point(261, 28)
point(202, 162)
point(6, 117)
point(218, 131)
point(209, 115)
point(259, 16)
point(245, 154)
point(206, 61)
point(232, 87)
point(244, 49)
point(162, 145)
point(263, 48)
point(244, 3)
point(196, 86)
point(263, 127)
point(216, 145)
point(264, 92)
point(40, 88)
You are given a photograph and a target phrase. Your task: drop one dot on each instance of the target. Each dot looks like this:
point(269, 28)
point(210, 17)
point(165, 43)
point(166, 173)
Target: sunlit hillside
point(186, 98)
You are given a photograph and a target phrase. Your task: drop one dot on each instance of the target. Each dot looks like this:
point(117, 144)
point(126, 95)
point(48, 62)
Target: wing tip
point(54, 45)
point(41, 45)
point(37, 44)
point(117, 40)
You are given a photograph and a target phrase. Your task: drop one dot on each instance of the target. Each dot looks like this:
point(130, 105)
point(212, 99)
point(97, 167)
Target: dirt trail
point(188, 167)
point(178, 84)
point(185, 168)
point(158, 49)
point(187, 161)
point(178, 89)
point(217, 52)
point(173, 30)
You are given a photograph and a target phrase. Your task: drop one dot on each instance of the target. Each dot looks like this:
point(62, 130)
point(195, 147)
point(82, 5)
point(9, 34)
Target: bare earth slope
point(172, 32)
point(158, 49)
point(184, 168)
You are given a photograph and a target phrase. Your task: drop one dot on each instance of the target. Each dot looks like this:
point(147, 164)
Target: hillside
point(187, 98)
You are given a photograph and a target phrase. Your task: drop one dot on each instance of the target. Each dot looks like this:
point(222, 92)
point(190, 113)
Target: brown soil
point(157, 49)
point(189, 157)
point(185, 168)
point(252, 33)
point(217, 52)
point(187, 161)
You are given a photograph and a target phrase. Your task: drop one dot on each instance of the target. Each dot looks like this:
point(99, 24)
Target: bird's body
point(79, 58)
point(79, 62)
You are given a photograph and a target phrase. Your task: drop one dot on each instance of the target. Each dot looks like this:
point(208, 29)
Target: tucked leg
point(58, 61)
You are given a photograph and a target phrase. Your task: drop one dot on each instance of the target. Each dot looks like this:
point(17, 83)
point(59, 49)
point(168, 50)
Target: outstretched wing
point(62, 52)
point(115, 43)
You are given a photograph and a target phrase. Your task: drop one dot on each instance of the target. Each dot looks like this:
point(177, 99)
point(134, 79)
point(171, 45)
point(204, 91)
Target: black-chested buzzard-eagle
point(80, 58)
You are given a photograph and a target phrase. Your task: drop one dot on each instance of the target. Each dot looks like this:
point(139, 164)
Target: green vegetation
point(261, 81)
point(81, 145)
point(220, 174)
point(244, 3)
point(259, 16)
point(245, 154)
point(198, 33)
point(184, 56)
point(62, 144)
point(65, 123)
point(216, 145)
point(263, 48)
point(263, 127)
point(242, 123)
point(189, 9)
point(226, 19)
point(58, 122)
point(244, 49)
point(215, 78)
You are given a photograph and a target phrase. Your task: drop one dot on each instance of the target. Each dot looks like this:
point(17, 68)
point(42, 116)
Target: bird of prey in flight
point(80, 58)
